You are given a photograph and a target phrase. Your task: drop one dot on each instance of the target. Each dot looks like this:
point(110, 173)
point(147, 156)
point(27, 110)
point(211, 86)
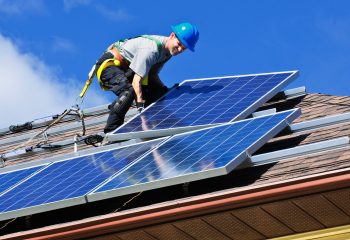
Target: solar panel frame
point(95, 196)
point(114, 136)
point(65, 202)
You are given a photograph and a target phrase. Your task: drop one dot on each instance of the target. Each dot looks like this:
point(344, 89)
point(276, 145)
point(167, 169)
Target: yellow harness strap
point(113, 61)
point(106, 63)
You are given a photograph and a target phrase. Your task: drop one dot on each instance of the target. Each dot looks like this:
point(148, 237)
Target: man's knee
point(124, 101)
point(118, 109)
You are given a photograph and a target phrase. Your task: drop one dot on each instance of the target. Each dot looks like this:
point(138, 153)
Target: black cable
point(19, 128)
point(89, 140)
point(93, 139)
point(50, 146)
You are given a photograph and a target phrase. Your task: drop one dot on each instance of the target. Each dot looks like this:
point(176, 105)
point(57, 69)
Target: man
point(130, 68)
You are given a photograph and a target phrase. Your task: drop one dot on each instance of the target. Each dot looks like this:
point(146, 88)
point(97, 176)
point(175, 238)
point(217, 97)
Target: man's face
point(175, 46)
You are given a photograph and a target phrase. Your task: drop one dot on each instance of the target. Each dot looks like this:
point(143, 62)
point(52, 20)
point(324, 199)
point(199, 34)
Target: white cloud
point(109, 12)
point(63, 45)
point(22, 6)
point(113, 14)
point(30, 89)
point(68, 5)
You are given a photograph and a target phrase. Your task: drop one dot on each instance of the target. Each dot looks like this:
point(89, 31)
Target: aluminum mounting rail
point(41, 122)
point(61, 129)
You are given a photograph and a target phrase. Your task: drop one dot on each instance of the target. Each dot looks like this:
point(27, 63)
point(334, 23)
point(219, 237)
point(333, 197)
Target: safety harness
point(116, 61)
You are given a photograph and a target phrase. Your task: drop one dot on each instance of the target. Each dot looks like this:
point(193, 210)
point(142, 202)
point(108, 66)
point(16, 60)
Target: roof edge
point(192, 207)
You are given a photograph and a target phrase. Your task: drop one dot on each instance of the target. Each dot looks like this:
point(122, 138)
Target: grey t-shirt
point(143, 54)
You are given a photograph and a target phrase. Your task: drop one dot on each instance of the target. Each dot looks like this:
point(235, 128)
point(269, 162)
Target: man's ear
point(172, 35)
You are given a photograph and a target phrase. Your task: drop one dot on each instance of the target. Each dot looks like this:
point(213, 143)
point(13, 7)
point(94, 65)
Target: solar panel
point(197, 155)
point(204, 101)
point(65, 183)
point(10, 179)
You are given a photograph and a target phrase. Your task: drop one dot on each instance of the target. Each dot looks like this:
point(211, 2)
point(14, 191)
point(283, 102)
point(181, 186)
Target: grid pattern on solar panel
point(10, 179)
point(197, 152)
point(71, 178)
point(201, 102)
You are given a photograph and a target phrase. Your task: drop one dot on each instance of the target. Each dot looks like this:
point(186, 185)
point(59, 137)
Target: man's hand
point(140, 106)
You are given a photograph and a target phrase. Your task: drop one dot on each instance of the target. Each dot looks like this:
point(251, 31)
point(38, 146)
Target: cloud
point(30, 89)
point(63, 45)
point(15, 7)
point(336, 30)
point(68, 5)
point(113, 14)
point(109, 12)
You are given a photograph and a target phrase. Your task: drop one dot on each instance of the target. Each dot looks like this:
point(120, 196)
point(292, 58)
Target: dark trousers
point(119, 81)
point(154, 90)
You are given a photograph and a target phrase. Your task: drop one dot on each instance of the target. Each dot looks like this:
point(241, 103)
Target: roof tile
point(199, 229)
point(269, 226)
point(323, 210)
point(233, 227)
point(287, 212)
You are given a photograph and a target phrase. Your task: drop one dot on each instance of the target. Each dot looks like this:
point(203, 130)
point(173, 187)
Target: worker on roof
point(129, 68)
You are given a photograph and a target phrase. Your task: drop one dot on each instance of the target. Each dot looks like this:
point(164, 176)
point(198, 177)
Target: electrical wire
point(131, 199)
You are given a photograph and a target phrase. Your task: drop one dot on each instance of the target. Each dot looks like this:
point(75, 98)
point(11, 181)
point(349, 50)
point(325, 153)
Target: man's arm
point(136, 84)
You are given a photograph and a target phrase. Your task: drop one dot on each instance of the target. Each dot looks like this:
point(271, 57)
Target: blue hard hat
point(187, 33)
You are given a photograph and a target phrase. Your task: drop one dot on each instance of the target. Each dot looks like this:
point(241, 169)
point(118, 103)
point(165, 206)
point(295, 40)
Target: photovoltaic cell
point(70, 179)
point(209, 101)
point(192, 156)
point(10, 179)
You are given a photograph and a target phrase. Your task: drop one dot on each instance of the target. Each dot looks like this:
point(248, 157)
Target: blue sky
point(47, 47)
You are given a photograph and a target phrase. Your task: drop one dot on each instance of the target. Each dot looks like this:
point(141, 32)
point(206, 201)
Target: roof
point(62, 131)
point(297, 182)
